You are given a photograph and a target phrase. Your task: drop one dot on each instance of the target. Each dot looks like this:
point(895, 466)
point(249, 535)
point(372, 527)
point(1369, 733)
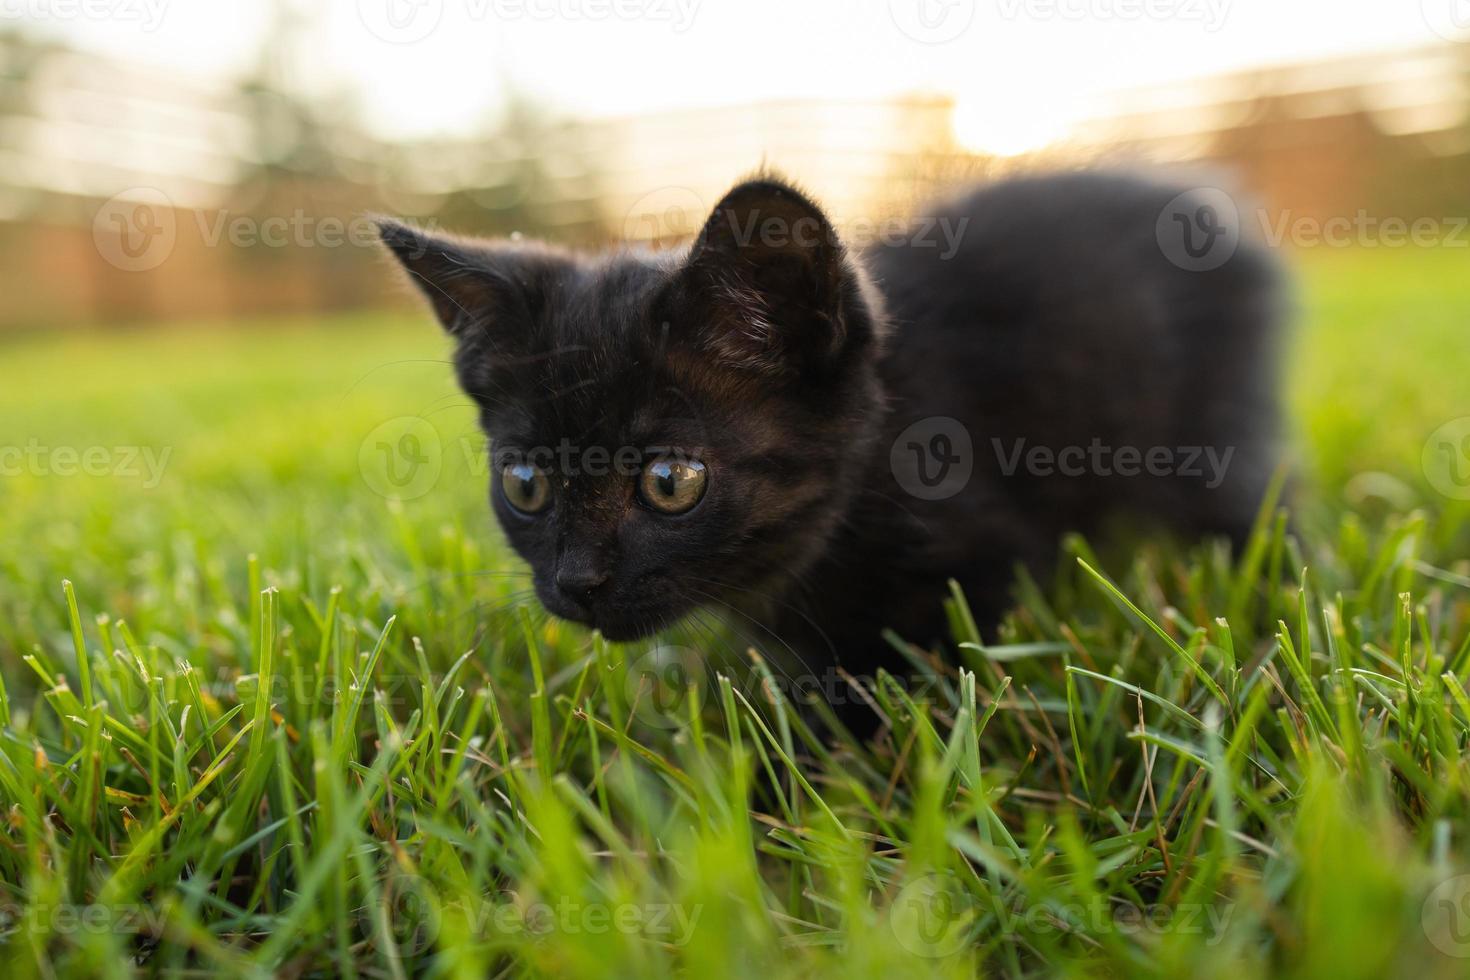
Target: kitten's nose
point(578, 581)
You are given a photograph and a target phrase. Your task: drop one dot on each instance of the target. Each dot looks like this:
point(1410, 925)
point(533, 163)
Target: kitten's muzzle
point(565, 605)
point(577, 588)
point(580, 584)
point(593, 601)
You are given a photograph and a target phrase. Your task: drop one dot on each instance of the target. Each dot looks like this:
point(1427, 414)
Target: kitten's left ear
point(770, 281)
point(480, 291)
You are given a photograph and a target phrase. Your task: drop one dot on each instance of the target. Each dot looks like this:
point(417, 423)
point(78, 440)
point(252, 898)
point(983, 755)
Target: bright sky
point(1020, 69)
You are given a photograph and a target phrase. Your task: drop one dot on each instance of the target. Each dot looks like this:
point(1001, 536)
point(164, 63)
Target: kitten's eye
point(526, 488)
point(672, 486)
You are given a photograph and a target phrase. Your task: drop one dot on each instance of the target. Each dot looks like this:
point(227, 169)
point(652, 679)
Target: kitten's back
point(1067, 316)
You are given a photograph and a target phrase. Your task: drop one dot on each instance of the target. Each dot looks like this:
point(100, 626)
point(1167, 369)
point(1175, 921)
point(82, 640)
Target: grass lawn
point(281, 723)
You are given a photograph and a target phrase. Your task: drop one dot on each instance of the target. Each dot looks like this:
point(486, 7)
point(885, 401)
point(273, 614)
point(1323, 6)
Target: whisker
point(795, 656)
point(435, 580)
point(386, 364)
point(789, 607)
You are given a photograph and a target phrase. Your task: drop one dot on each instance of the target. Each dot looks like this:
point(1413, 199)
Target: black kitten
point(820, 439)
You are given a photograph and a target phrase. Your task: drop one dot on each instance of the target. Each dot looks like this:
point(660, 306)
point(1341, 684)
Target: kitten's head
point(666, 430)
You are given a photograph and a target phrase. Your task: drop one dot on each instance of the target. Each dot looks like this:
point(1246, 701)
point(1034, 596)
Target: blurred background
point(186, 267)
point(167, 159)
point(218, 399)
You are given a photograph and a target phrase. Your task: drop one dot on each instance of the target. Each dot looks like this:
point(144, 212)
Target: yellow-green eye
point(526, 488)
point(673, 486)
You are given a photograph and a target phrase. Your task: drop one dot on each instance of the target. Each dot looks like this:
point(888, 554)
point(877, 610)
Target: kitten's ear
point(771, 278)
point(472, 287)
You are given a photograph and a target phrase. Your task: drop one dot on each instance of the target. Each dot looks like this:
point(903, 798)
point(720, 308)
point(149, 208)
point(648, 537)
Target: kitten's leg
point(842, 666)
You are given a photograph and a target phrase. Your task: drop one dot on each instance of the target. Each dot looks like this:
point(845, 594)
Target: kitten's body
point(1059, 322)
point(794, 368)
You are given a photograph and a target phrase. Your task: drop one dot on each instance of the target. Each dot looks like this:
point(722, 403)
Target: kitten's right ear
point(470, 286)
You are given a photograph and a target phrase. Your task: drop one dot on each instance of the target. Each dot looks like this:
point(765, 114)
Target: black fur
point(790, 366)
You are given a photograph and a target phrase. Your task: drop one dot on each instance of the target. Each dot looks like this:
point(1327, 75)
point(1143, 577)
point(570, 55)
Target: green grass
point(279, 724)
